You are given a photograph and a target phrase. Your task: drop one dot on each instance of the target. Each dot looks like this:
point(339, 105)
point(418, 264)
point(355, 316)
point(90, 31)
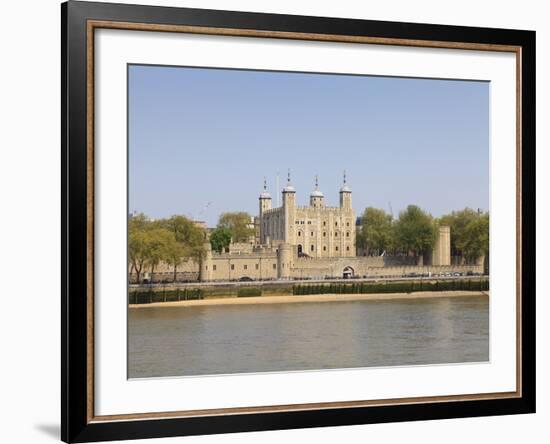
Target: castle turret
point(206, 264)
point(284, 261)
point(289, 206)
point(345, 195)
point(265, 204)
point(316, 198)
point(441, 254)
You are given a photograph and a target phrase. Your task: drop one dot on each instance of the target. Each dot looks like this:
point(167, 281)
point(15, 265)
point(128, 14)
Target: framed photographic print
point(275, 221)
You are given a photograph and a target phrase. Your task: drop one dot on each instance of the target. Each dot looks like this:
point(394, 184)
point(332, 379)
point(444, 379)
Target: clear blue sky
point(211, 135)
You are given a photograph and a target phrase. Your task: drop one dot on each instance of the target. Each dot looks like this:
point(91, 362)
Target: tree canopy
point(376, 231)
point(220, 239)
point(469, 232)
point(415, 230)
point(238, 223)
point(173, 240)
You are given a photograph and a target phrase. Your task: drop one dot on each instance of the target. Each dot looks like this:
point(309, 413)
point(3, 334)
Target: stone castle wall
point(285, 264)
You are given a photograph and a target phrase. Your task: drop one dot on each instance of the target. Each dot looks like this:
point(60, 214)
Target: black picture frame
point(77, 327)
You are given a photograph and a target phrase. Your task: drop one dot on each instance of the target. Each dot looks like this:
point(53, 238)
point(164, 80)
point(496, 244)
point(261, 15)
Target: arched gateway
point(348, 272)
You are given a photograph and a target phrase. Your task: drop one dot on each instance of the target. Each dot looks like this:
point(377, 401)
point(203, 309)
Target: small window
point(324, 223)
point(335, 224)
point(347, 234)
point(312, 233)
point(246, 267)
point(347, 248)
point(232, 266)
point(274, 266)
point(214, 267)
point(309, 222)
point(299, 233)
point(347, 224)
point(336, 234)
point(207, 267)
point(336, 248)
point(257, 266)
point(324, 234)
point(312, 248)
point(324, 248)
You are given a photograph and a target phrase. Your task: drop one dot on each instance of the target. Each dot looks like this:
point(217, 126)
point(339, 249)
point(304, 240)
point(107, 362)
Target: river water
point(223, 339)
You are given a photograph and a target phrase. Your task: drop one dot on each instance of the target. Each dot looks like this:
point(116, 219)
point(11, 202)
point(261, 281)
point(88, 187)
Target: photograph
point(286, 221)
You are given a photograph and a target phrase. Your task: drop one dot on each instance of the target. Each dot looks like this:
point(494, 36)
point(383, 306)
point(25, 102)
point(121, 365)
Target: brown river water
point(225, 339)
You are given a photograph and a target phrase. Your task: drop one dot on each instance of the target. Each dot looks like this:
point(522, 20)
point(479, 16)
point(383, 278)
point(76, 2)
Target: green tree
point(138, 226)
point(469, 232)
point(415, 230)
point(174, 256)
point(476, 240)
point(238, 223)
point(220, 239)
point(190, 236)
point(376, 231)
point(189, 241)
point(157, 245)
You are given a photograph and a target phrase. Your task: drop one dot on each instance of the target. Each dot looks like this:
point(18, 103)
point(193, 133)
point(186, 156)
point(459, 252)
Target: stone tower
point(316, 198)
point(289, 206)
point(441, 254)
point(265, 204)
point(284, 261)
point(345, 195)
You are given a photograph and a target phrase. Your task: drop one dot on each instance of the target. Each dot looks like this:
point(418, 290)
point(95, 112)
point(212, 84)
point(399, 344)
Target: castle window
point(232, 266)
point(324, 248)
point(214, 267)
point(335, 224)
point(336, 234)
point(312, 233)
point(309, 222)
point(347, 248)
point(324, 234)
point(245, 267)
point(257, 266)
point(299, 233)
point(347, 224)
point(312, 248)
point(324, 223)
point(207, 267)
point(336, 248)
point(347, 234)
point(274, 266)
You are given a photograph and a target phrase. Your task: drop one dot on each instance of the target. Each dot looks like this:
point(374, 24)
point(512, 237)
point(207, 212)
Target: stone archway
point(348, 272)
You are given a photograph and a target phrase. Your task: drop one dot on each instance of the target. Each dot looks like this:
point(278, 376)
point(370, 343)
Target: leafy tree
point(190, 236)
point(220, 239)
point(476, 240)
point(174, 256)
point(137, 250)
point(469, 232)
point(238, 223)
point(158, 242)
point(415, 230)
point(376, 230)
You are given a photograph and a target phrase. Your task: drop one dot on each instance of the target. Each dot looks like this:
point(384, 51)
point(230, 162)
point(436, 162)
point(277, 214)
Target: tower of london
point(315, 230)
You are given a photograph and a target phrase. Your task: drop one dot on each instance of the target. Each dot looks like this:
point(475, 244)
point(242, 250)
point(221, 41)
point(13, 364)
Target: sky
point(201, 140)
